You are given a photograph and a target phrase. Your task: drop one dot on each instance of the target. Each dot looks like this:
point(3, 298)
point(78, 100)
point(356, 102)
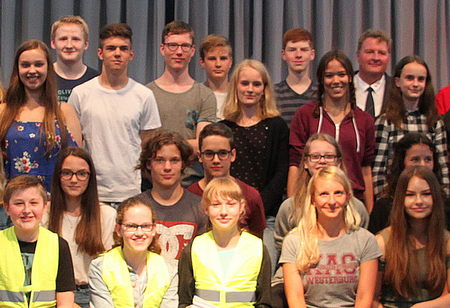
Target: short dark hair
point(216, 129)
point(121, 30)
point(296, 35)
point(158, 139)
point(177, 27)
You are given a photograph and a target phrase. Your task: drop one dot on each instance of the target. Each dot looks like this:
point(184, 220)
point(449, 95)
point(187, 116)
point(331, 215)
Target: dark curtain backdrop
point(255, 28)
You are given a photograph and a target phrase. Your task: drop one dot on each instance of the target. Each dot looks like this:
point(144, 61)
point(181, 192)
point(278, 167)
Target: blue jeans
point(82, 297)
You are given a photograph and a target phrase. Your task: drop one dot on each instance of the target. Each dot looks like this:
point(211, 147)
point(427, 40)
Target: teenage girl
point(75, 214)
point(321, 150)
point(335, 113)
point(413, 149)
point(34, 126)
point(133, 274)
point(260, 134)
point(415, 266)
point(411, 108)
point(328, 261)
point(226, 267)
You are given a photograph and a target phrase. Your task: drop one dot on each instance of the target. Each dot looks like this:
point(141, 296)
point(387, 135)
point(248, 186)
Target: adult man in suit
point(372, 84)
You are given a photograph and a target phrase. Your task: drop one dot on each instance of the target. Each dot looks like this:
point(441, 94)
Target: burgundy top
point(304, 124)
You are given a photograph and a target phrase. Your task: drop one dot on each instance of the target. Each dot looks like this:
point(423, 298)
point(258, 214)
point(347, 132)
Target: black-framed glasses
point(174, 46)
point(328, 158)
point(209, 155)
point(81, 175)
point(134, 227)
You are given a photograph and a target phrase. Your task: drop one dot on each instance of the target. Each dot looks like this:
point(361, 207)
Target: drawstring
point(355, 127)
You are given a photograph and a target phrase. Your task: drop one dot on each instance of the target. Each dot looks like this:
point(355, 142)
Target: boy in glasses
point(216, 152)
point(185, 106)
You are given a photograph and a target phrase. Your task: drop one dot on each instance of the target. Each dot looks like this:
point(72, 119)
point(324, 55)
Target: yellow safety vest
point(238, 288)
point(116, 275)
point(43, 274)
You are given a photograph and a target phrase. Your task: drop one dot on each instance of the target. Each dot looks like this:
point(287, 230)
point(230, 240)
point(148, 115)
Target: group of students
point(327, 257)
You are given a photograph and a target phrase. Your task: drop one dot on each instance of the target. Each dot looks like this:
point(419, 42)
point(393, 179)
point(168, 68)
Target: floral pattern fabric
point(25, 151)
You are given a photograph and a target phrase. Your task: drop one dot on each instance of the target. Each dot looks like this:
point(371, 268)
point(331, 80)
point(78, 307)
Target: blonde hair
point(307, 228)
point(77, 20)
point(305, 176)
point(267, 105)
point(226, 188)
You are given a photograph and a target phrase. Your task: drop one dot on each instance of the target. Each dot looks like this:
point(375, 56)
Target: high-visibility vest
point(43, 274)
point(238, 287)
point(116, 275)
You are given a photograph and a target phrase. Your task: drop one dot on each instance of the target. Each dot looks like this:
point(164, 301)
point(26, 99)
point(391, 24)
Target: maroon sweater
point(304, 124)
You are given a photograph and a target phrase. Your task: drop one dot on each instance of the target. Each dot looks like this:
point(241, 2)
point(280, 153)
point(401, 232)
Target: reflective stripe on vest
point(230, 297)
point(43, 274)
point(9, 296)
point(240, 283)
point(44, 296)
point(116, 275)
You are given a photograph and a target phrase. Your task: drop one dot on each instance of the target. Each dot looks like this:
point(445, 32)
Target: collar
point(376, 86)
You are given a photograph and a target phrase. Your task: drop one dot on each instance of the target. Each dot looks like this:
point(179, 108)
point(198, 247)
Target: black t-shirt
point(65, 86)
point(65, 280)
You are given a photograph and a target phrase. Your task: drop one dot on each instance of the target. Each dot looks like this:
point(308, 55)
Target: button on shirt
point(378, 93)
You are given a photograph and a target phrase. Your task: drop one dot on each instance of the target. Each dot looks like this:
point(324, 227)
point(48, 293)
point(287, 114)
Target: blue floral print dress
point(25, 151)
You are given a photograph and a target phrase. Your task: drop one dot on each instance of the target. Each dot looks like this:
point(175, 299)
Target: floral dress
point(25, 151)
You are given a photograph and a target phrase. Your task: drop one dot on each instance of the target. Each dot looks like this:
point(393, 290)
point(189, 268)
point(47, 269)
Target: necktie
point(370, 107)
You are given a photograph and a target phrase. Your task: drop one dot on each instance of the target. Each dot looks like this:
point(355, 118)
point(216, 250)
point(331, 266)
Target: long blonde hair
point(267, 105)
point(307, 228)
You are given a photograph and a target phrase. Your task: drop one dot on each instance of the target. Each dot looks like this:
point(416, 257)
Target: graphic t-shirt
point(333, 282)
point(177, 224)
point(65, 86)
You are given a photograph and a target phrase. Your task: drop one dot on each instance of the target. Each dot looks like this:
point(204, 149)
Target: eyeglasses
point(329, 158)
point(162, 161)
point(67, 174)
point(222, 154)
point(133, 227)
point(174, 46)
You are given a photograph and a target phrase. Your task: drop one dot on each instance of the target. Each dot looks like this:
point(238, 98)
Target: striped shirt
point(288, 101)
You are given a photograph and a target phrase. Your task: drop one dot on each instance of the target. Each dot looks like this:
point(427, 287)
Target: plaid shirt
point(387, 136)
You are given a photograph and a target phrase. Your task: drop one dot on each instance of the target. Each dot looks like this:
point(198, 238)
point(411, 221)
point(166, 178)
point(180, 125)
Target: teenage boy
point(115, 113)
point(69, 37)
point(178, 215)
point(217, 153)
point(297, 89)
point(185, 106)
point(372, 84)
point(216, 59)
point(35, 264)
